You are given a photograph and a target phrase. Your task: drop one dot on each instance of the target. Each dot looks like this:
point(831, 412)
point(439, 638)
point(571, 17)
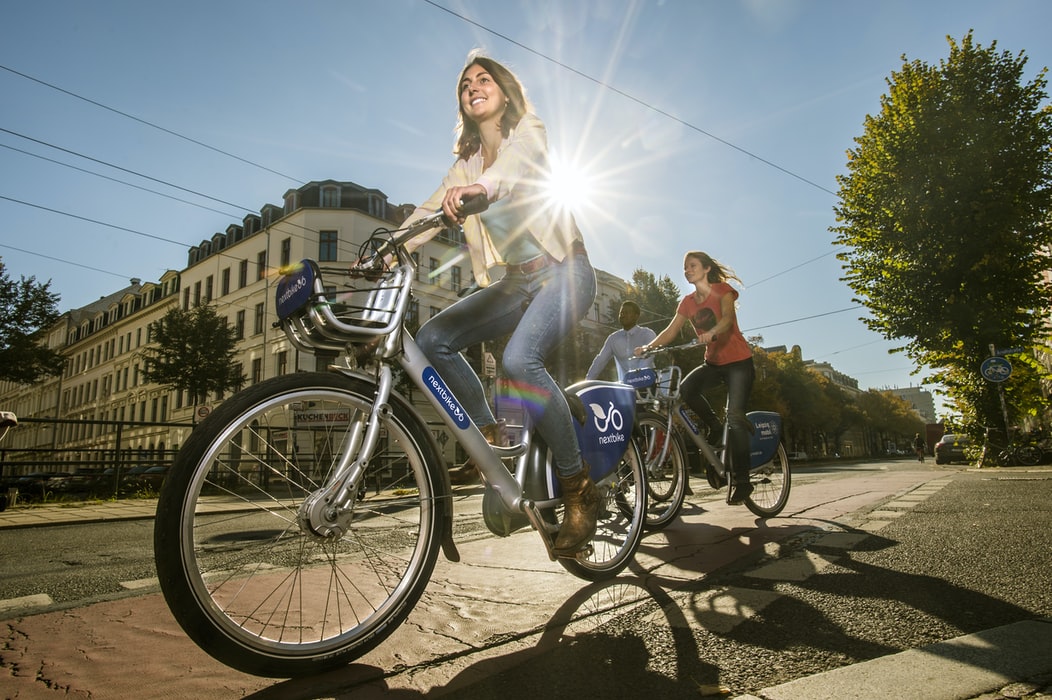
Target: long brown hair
point(469, 141)
point(717, 272)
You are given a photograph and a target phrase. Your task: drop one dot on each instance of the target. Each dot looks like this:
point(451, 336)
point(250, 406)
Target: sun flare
point(570, 186)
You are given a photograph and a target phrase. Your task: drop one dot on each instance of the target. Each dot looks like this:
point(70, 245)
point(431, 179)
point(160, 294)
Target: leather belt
point(542, 261)
point(530, 266)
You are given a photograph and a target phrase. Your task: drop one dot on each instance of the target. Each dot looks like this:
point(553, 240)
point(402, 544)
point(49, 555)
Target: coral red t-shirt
point(729, 346)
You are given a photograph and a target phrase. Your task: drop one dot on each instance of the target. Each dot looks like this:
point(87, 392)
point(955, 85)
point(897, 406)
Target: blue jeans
point(539, 310)
point(738, 376)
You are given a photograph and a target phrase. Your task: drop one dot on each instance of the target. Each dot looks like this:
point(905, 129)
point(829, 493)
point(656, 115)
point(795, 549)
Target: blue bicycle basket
point(766, 436)
point(610, 412)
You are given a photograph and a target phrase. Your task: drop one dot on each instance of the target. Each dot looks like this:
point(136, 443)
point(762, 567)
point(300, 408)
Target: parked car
point(797, 456)
point(38, 484)
point(151, 479)
point(130, 478)
point(80, 481)
point(950, 448)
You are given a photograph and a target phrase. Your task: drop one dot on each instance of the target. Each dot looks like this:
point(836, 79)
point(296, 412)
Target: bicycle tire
point(1028, 455)
point(250, 584)
point(620, 524)
point(771, 483)
point(667, 479)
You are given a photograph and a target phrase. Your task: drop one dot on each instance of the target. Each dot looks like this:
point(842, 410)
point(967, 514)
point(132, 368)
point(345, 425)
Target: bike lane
point(502, 605)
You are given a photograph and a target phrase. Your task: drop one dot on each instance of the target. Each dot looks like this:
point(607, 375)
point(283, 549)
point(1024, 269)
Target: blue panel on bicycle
point(640, 378)
point(609, 409)
point(295, 288)
point(767, 434)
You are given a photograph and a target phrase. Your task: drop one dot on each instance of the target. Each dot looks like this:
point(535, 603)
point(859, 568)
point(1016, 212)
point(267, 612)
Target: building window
point(257, 371)
point(224, 282)
point(377, 206)
point(282, 365)
point(239, 325)
point(412, 314)
point(454, 278)
point(330, 197)
point(242, 274)
point(327, 241)
point(257, 326)
point(261, 265)
point(209, 289)
point(433, 265)
point(286, 251)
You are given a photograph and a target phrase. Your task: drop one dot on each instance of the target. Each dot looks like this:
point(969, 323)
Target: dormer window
point(377, 206)
point(330, 197)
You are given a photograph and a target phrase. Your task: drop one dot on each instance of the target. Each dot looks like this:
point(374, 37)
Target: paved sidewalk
point(74, 512)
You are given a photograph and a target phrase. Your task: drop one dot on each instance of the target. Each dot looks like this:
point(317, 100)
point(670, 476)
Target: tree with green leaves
point(945, 217)
point(193, 351)
point(26, 308)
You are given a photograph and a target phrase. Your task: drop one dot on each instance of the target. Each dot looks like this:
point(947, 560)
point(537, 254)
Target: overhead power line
point(631, 97)
point(68, 262)
point(151, 124)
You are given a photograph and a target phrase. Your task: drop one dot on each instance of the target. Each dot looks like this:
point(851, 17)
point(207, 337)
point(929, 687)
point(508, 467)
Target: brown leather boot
point(581, 509)
point(468, 473)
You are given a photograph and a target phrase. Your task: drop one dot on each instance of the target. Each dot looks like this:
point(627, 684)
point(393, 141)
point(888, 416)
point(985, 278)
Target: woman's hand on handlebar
point(455, 198)
point(648, 350)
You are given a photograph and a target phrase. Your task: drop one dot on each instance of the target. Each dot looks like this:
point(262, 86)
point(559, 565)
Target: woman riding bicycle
point(710, 308)
point(548, 283)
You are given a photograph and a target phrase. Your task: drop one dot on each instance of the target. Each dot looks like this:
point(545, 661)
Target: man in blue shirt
point(620, 345)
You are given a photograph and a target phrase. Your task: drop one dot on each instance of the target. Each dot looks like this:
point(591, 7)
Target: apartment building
point(101, 409)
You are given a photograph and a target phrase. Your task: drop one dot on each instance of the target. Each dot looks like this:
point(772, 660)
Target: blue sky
point(702, 124)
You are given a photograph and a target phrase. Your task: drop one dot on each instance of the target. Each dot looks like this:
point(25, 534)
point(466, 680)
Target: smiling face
point(481, 99)
point(694, 270)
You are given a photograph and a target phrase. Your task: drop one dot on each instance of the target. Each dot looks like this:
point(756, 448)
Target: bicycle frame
point(310, 322)
point(658, 392)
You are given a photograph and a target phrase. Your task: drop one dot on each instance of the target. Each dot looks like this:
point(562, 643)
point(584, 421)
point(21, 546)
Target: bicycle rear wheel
point(619, 527)
point(770, 486)
point(1028, 455)
point(667, 477)
point(249, 575)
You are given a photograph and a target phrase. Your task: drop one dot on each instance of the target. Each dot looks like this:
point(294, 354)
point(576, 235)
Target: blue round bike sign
point(996, 369)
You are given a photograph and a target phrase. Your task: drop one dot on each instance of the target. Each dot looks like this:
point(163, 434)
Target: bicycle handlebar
point(651, 351)
point(374, 263)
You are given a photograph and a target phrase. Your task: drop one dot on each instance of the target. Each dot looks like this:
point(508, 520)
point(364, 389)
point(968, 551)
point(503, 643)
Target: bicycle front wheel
point(770, 486)
point(666, 468)
point(243, 564)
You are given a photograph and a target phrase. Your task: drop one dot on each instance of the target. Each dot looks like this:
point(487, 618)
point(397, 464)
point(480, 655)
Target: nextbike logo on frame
point(445, 397)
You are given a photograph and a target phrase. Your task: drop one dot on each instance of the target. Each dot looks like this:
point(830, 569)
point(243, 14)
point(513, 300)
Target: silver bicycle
point(302, 519)
point(663, 421)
